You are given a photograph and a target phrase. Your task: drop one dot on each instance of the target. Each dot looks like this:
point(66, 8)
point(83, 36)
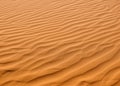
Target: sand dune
point(59, 43)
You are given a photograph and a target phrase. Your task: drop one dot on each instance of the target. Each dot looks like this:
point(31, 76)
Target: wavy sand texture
point(59, 43)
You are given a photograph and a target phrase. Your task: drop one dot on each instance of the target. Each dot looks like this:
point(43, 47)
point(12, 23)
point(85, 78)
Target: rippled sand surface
point(59, 42)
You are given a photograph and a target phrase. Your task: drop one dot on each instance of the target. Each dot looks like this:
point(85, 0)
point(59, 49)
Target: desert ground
point(59, 42)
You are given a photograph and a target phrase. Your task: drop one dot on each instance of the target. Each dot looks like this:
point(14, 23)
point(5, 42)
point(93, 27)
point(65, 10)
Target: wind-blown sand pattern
point(59, 43)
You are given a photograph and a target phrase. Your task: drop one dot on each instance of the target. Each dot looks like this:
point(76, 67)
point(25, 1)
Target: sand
point(59, 43)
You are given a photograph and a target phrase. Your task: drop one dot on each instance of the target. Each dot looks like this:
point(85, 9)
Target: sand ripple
point(59, 43)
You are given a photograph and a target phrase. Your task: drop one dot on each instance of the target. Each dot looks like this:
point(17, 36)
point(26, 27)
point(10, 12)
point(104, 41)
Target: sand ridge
point(59, 43)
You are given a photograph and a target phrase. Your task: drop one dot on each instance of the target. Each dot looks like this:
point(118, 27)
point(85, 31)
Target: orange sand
point(59, 42)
